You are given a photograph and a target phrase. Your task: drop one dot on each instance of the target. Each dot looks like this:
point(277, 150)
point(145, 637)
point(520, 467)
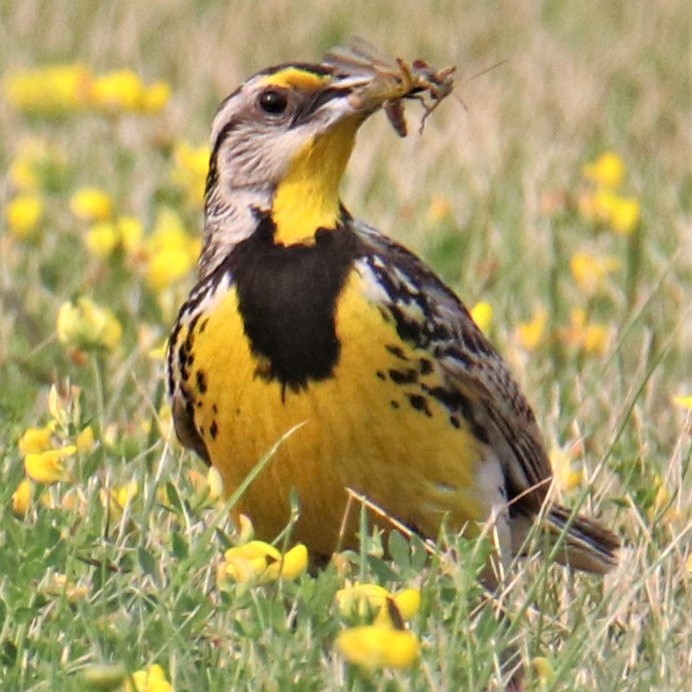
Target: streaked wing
point(429, 313)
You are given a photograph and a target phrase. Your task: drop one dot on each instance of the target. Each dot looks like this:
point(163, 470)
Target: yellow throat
point(308, 197)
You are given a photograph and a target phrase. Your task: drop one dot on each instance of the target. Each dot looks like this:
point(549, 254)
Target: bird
point(314, 335)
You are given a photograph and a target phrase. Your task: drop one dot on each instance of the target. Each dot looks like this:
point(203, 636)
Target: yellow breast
point(371, 426)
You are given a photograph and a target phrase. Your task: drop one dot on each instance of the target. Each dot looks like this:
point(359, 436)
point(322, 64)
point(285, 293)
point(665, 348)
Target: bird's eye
point(273, 102)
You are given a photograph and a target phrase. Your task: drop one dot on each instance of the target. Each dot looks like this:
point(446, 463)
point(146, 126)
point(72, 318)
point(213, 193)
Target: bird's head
point(280, 144)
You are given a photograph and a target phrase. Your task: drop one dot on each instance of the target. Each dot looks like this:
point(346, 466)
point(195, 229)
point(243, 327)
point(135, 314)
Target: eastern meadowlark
point(304, 315)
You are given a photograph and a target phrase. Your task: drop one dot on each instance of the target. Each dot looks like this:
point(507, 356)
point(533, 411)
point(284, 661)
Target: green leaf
point(146, 561)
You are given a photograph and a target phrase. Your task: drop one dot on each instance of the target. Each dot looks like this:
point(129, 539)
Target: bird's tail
point(575, 540)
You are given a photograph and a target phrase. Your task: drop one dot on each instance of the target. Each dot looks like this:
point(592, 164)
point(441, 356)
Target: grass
point(488, 196)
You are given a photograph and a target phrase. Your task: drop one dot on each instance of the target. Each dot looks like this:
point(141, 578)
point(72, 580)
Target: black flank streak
point(396, 351)
point(403, 376)
point(420, 403)
point(426, 366)
point(201, 382)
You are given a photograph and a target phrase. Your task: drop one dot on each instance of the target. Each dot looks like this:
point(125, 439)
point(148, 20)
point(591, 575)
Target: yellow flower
point(86, 325)
point(21, 498)
point(48, 467)
point(244, 531)
point(117, 499)
point(51, 90)
point(103, 238)
point(120, 90)
point(663, 500)
point(593, 338)
point(171, 252)
point(565, 475)
point(85, 440)
point(482, 314)
point(59, 584)
point(624, 216)
point(607, 171)
point(361, 599)
point(440, 209)
point(22, 215)
point(377, 646)
point(619, 213)
point(124, 494)
point(683, 401)
point(190, 171)
point(590, 272)
point(260, 562)
point(37, 165)
point(530, 334)
point(91, 204)
point(151, 680)
point(215, 485)
point(155, 97)
point(367, 599)
point(36, 440)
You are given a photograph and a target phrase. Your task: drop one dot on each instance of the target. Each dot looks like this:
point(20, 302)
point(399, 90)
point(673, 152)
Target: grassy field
point(112, 537)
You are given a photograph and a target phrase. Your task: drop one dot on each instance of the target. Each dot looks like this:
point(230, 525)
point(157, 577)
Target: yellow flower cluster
point(83, 325)
point(35, 168)
point(531, 333)
point(602, 204)
point(257, 562)
point(45, 450)
point(591, 271)
point(62, 89)
point(37, 165)
point(165, 256)
point(170, 252)
point(189, 173)
point(582, 334)
point(379, 638)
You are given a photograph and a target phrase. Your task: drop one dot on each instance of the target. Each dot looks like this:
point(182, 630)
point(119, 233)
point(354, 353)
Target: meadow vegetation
point(553, 194)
